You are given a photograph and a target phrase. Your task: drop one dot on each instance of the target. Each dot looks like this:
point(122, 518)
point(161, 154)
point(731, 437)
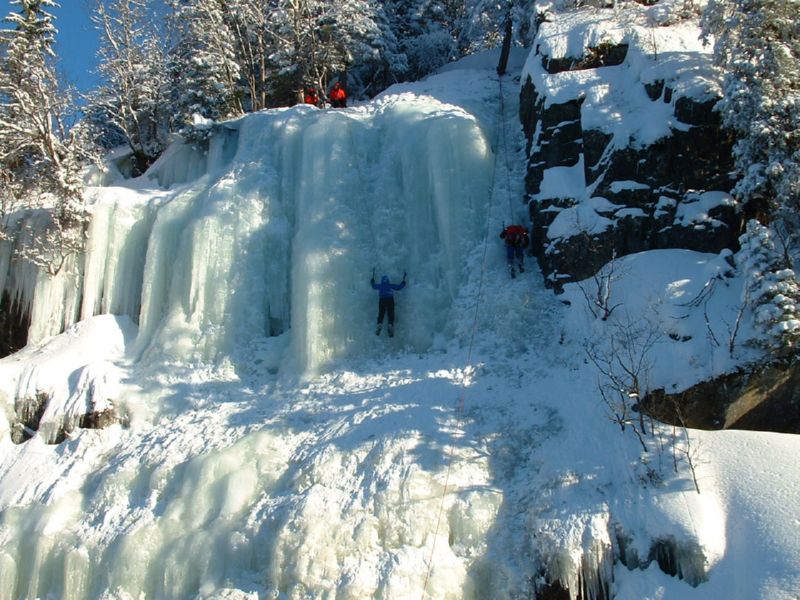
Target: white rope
point(367, 214)
point(502, 132)
point(460, 407)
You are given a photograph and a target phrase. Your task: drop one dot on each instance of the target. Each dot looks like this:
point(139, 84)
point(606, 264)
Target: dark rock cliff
point(611, 195)
point(648, 197)
point(762, 398)
point(14, 323)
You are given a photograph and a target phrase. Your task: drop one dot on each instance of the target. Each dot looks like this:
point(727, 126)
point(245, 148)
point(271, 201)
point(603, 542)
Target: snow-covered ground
point(470, 456)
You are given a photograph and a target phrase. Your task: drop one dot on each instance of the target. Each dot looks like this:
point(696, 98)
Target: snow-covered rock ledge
point(73, 381)
point(625, 151)
point(762, 397)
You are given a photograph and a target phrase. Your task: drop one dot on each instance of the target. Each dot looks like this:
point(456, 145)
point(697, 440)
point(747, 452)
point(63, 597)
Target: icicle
point(682, 559)
point(77, 568)
point(577, 556)
point(115, 254)
point(180, 163)
point(8, 576)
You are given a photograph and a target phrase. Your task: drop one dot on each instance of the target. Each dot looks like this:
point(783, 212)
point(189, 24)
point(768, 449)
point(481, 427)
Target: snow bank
point(686, 302)
point(74, 374)
point(614, 98)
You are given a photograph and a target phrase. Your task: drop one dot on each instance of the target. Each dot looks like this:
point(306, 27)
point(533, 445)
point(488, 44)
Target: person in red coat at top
point(310, 96)
point(338, 96)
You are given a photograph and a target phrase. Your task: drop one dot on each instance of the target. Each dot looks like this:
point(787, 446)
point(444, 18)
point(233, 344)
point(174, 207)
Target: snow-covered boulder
point(74, 380)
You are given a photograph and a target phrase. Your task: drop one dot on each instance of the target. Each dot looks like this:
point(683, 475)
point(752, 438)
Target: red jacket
point(515, 235)
point(338, 93)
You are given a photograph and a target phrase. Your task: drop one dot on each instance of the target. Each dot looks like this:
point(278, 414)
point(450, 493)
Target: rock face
point(28, 415)
point(30, 418)
point(622, 199)
point(766, 398)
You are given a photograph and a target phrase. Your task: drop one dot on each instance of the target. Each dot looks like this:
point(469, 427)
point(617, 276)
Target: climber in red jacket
point(310, 96)
point(338, 96)
point(516, 237)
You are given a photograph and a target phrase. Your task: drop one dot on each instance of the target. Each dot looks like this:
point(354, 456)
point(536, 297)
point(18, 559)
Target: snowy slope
point(469, 457)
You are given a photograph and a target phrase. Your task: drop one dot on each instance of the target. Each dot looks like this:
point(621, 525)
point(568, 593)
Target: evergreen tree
point(485, 23)
point(426, 31)
point(771, 289)
point(316, 41)
point(431, 33)
point(380, 60)
point(130, 104)
point(204, 66)
point(757, 43)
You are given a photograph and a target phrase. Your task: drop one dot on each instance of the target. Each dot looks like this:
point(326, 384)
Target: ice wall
point(277, 229)
point(269, 513)
point(51, 300)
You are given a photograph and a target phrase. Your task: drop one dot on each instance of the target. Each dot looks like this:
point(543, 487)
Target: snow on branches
point(204, 66)
point(130, 106)
point(772, 290)
point(41, 156)
point(757, 43)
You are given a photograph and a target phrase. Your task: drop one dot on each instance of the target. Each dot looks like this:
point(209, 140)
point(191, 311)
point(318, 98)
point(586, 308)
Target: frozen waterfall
point(278, 227)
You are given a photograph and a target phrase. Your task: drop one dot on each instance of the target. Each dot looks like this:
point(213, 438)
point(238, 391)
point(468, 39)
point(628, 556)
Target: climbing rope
point(502, 133)
point(367, 214)
point(460, 406)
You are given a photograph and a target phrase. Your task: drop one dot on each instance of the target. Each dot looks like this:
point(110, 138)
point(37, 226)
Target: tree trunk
point(506, 50)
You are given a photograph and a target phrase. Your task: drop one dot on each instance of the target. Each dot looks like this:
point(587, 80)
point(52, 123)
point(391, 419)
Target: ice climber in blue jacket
point(386, 290)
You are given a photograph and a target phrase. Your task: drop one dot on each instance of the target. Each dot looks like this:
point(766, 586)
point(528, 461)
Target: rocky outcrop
point(603, 55)
point(28, 413)
point(763, 398)
point(637, 197)
point(30, 418)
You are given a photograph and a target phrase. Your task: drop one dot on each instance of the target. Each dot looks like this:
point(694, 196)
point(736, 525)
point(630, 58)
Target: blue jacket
point(386, 288)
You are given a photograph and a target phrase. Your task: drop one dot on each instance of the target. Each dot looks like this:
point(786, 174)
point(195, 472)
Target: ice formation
point(281, 228)
point(262, 248)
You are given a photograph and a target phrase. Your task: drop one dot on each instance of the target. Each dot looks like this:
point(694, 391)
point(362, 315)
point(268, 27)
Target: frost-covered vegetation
point(757, 44)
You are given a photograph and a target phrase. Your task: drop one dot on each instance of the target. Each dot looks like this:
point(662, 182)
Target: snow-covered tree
point(41, 157)
point(249, 22)
point(431, 33)
point(771, 290)
point(382, 61)
point(316, 41)
point(131, 101)
point(757, 43)
point(426, 31)
point(485, 20)
point(204, 66)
